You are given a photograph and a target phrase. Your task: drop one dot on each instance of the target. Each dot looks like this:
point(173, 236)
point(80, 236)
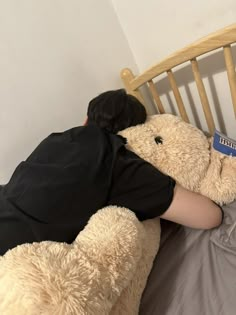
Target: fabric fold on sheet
point(194, 271)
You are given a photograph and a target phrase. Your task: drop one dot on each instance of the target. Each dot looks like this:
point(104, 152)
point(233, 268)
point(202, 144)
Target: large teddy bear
point(105, 270)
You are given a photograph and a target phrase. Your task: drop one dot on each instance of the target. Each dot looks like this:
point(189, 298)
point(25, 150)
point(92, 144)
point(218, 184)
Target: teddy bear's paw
point(229, 170)
point(220, 181)
point(110, 237)
point(216, 155)
point(230, 162)
point(219, 194)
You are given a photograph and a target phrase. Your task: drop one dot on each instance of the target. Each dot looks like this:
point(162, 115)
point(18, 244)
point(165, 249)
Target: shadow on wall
point(209, 65)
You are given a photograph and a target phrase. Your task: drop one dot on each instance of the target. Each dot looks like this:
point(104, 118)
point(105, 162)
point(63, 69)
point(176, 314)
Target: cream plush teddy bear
point(183, 152)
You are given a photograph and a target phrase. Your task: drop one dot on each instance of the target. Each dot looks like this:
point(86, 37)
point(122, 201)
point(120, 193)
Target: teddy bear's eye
point(158, 139)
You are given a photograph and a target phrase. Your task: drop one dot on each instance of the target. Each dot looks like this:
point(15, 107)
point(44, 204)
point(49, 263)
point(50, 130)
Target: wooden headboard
point(222, 39)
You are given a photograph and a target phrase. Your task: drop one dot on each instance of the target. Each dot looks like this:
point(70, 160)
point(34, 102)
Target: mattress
point(194, 271)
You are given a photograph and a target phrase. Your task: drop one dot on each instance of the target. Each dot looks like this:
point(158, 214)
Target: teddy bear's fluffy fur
point(185, 154)
point(105, 270)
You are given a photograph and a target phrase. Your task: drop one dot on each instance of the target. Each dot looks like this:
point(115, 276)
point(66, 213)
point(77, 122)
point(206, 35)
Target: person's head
point(115, 111)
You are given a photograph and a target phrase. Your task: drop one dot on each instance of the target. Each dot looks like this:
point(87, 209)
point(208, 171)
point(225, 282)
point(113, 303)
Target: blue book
point(224, 144)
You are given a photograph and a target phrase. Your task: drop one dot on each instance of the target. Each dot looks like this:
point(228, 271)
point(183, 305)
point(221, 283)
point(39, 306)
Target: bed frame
point(222, 39)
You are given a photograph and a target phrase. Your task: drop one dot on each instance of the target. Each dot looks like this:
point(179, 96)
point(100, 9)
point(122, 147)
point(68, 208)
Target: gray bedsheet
point(194, 272)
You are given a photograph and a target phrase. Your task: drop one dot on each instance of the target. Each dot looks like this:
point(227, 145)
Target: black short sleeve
point(139, 186)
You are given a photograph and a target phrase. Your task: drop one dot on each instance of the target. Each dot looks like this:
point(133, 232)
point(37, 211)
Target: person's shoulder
point(130, 156)
point(88, 132)
point(77, 131)
point(92, 134)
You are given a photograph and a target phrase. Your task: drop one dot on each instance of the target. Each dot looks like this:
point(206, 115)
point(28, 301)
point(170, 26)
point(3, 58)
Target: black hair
point(116, 110)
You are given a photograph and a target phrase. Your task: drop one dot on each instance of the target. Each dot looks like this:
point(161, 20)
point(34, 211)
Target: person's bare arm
point(193, 210)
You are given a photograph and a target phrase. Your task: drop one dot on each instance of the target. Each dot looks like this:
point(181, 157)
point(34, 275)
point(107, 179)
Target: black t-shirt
point(70, 176)
point(139, 186)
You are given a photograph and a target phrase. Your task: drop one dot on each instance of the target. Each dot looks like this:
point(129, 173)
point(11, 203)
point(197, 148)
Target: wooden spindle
point(231, 74)
point(178, 97)
point(156, 97)
point(203, 96)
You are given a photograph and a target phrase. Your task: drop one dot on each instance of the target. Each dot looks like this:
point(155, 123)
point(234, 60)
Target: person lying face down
point(72, 174)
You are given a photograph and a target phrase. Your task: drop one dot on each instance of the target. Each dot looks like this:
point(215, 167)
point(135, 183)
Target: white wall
point(156, 28)
point(55, 56)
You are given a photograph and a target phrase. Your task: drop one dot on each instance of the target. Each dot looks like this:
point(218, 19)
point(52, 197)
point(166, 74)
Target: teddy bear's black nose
point(158, 139)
